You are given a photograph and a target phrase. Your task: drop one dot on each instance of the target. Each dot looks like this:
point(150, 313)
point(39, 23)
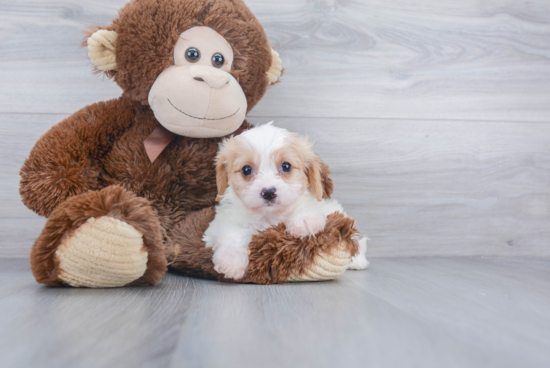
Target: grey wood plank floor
point(401, 312)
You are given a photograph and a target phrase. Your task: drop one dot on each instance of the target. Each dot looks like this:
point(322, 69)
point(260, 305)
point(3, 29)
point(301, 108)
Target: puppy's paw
point(232, 262)
point(304, 225)
point(359, 262)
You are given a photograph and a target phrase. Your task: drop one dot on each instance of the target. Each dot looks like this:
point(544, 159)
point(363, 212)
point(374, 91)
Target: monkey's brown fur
point(112, 201)
point(94, 162)
point(274, 254)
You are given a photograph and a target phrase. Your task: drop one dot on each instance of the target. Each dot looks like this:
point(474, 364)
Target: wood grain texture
point(414, 187)
point(402, 312)
point(82, 327)
point(424, 59)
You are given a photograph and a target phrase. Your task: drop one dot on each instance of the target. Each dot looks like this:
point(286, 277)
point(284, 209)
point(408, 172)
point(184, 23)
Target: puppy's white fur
point(242, 210)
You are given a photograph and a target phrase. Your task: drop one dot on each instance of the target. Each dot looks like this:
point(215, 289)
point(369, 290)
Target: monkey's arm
point(275, 256)
point(65, 161)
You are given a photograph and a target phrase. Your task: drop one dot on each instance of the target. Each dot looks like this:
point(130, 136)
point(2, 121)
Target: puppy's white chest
point(266, 222)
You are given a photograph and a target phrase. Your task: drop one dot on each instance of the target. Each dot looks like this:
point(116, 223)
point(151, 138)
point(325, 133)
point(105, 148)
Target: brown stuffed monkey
point(128, 185)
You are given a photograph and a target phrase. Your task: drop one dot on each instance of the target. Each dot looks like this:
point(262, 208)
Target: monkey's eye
point(247, 170)
point(218, 60)
point(286, 167)
point(192, 54)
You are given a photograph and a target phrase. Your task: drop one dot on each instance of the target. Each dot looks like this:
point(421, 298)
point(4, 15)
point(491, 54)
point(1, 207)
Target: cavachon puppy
point(267, 176)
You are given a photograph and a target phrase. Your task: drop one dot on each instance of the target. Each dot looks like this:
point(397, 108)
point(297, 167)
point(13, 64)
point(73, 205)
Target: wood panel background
point(434, 115)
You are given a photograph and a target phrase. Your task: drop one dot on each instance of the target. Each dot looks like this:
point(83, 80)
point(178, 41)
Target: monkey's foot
point(108, 238)
point(326, 265)
point(103, 252)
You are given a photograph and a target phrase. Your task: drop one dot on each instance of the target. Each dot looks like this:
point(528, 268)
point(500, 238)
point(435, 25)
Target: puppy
point(266, 176)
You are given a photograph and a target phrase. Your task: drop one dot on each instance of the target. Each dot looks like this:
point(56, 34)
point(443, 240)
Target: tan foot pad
point(103, 252)
point(326, 266)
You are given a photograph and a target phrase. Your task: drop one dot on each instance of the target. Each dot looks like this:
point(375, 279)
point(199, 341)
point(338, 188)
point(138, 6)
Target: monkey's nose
point(215, 78)
point(268, 194)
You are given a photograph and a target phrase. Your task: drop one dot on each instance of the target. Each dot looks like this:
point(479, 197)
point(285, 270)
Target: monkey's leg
point(277, 257)
point(185, 250)
point(106, 238)
point(274, 255)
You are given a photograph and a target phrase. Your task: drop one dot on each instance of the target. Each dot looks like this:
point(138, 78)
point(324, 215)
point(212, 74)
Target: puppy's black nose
point(268, 194)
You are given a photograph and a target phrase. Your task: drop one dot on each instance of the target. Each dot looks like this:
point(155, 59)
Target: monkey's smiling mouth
point(195, 117)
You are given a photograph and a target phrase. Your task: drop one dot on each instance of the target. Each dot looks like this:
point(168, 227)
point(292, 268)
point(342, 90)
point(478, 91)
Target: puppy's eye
point(192, 54)
point(286, 167)
point(218, 60)
point(247, 170)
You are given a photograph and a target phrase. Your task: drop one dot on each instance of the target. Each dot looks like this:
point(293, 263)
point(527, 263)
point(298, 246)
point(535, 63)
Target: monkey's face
point(200, 65)
point(197, 96)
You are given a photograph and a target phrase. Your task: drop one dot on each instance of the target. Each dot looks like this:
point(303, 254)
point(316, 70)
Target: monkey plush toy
point(128, 185)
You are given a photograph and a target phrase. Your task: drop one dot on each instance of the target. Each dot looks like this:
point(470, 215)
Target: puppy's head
point(269, 169)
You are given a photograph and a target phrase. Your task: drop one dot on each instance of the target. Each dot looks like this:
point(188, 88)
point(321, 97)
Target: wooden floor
point(435, 119)
point(402, 312)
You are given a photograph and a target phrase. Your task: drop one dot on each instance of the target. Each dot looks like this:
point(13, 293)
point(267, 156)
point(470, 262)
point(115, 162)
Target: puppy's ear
point(326, 181)
point(320, 184)
point(222, 177)
point(314, 176)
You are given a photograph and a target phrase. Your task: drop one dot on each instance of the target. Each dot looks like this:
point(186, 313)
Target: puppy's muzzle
point(268, 194)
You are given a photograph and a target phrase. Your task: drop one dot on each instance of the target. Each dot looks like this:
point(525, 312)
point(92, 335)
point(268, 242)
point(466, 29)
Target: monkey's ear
point(276, 69)
point(102, 50)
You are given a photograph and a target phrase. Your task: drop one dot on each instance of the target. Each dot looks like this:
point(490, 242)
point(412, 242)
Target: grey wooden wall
point(434, 115)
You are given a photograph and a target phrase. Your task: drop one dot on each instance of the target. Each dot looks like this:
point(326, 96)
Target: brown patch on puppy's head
point(308, 168)
point(232, 156)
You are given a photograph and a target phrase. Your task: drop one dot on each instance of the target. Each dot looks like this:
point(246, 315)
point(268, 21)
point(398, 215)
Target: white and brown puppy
point(266, 176)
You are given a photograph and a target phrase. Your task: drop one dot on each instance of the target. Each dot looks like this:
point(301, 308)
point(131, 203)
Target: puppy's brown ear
point(222, 178)
point(314, 177)
point(328, 186)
